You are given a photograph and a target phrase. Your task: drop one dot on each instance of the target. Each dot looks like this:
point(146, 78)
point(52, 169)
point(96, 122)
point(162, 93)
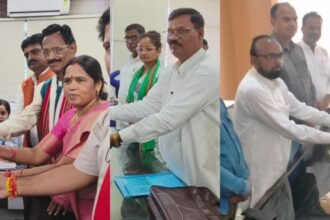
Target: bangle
point(116, 140)
point(11, 187)
point(12, 153)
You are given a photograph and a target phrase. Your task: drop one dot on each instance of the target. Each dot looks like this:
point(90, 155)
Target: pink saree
point(73, 137)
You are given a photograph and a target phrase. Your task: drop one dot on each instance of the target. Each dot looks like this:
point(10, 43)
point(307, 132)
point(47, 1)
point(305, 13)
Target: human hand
point(55, 208)
point(238, 198)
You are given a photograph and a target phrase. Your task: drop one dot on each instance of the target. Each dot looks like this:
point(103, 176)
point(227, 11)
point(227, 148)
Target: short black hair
point(6, 104)
point(93, 68)
point(253, 49)
point(195, 17)
point(64, 30)
point(310, 14)
point(104, 20)
point(154, 37)
point(275, 7)
point(33, 39)
point(138, 27)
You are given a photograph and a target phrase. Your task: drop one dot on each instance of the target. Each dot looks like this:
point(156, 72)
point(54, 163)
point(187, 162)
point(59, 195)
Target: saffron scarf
point(149, 80)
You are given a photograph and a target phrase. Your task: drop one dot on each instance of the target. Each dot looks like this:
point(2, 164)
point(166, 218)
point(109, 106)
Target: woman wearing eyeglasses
point(83, 88)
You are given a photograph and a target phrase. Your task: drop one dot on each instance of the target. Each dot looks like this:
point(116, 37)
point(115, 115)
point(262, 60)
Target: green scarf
point(149, 80)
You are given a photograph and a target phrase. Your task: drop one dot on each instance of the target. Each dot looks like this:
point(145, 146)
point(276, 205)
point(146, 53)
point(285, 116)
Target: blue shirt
point(234, 170)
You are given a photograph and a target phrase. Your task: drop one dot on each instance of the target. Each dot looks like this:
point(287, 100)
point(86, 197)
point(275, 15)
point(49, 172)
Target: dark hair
point(104, 20)
point(253, 49)
point(154, 37)
point(195, 17)
point(64, 30)
point(275, 7)
point(6, 104)
point(310, 14)
point(92, 67)
point(138, 27)
point(33, 39)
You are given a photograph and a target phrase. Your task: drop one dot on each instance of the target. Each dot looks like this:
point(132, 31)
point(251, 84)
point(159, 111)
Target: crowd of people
point(279, 108)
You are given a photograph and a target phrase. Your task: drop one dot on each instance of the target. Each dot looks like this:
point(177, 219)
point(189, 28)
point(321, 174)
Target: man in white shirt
point(317, 58)
point(130, 66)
point(182, 109)
point(263, 105)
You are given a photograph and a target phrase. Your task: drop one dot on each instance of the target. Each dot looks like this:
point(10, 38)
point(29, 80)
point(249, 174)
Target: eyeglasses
point(132, 38)
point(57, 51)
point(179, 32)
point(271, 56)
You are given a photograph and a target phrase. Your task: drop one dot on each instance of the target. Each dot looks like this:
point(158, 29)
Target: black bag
point(183, 203)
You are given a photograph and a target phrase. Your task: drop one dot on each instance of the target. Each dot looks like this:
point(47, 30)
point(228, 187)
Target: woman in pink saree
point(83, 88)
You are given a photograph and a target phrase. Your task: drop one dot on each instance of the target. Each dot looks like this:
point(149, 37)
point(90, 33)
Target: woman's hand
point(55, 208)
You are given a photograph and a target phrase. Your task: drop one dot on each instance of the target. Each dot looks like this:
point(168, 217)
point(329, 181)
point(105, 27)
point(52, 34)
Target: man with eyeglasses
point(182, 109)
point(32, 50)
point(92, 163)
point(263, 106)
point(130, 66)
point(48, 105)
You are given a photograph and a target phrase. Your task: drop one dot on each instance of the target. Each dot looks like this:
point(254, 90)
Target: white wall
point(153, 15)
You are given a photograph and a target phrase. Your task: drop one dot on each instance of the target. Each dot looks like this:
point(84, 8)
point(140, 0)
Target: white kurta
point(94, 157)
point(182, 109)
point(319, 67)
point(261, 119)
point(130, 66)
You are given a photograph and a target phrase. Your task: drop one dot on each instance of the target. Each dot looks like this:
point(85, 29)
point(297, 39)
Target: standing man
point(263, 105)
point(295, 72)
point(92, 163)
point(130, 66)
point(317, 58)
point(182, 109)
point(37, 63)
point(48, 105)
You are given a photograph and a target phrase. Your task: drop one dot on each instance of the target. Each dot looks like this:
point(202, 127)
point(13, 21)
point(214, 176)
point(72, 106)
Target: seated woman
point(83, 88)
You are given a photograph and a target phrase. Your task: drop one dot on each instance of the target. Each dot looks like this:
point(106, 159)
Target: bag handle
point(201, 204)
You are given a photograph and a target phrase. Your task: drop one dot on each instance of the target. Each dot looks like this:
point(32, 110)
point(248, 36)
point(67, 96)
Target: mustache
point(53, 60)
point(174, 42)
point(32, 61)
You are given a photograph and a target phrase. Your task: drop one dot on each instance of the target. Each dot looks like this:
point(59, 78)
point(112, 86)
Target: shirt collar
point(34, 77)
point(191, 61)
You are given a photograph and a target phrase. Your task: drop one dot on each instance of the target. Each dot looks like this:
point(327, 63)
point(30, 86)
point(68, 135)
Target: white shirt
point(94, 157)
point(261, 119)
point(127, 71)
point(125, 77)
point(182, 109)
point(17, 125)
point(19, 106)
point(319, 68)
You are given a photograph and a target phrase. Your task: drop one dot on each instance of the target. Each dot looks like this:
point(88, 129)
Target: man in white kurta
point(182, 109)
point(261, 119)
point(317, 58)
